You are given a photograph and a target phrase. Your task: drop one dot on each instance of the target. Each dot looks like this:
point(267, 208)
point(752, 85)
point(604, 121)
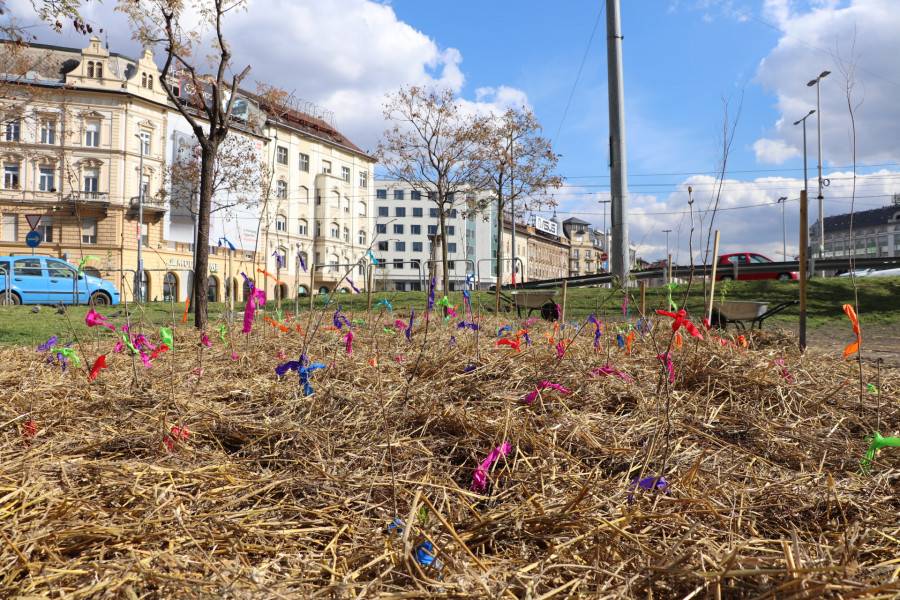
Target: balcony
point(153, 207)
point(98, 200)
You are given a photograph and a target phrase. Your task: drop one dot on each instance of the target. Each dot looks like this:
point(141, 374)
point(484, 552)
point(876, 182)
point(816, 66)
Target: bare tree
point(205, 101)
point(433, 148)
point(517, 164)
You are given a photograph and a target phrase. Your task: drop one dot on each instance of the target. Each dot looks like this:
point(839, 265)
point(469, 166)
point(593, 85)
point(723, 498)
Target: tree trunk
point(499, 252)
point(446, 273)
point(201, 264)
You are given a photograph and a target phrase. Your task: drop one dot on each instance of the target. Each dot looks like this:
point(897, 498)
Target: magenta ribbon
point(609, 370)
point(480, 477)
point(544, 385)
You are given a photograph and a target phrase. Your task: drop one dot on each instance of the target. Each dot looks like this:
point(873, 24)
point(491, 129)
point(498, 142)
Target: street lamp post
point(667, 232)
point(139, 275)
point(805, 173)
point(782, 202)
point(815, 82)
point(605, 232)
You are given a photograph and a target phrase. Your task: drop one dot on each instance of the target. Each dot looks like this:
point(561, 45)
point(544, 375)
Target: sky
point(685, 63)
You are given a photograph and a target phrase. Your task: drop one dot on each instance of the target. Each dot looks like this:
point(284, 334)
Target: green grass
point(879, 300)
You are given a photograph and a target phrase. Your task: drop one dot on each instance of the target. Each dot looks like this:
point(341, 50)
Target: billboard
point(546, 226)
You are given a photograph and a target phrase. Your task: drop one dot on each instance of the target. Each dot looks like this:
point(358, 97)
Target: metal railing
point(493, 262)
point(385, 266)
point(454, 277)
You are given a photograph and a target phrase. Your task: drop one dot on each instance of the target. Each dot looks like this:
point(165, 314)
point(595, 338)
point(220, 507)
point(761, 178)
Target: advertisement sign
point(546, 226)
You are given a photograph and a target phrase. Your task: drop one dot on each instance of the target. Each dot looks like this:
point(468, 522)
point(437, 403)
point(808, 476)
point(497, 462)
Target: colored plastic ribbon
point(680, 320)
point(609, 370)
point(876, 443)
point(852, 347)
point(95, 319)
point(480, 477)
point(99, 364)
point(544, 385)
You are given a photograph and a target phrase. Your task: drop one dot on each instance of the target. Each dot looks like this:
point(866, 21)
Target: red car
point(727, 262)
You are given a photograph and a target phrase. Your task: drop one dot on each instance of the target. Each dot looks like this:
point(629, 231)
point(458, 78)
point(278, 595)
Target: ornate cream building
point(76, 123)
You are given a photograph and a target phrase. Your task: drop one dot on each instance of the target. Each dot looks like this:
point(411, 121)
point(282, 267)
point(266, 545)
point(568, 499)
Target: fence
point(493, 262)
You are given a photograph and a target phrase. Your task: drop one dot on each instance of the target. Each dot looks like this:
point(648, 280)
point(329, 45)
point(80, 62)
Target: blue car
point(27, 279)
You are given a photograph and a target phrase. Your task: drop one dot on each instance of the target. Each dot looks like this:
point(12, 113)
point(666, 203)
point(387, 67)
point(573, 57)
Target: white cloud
point(836, 37)
point(774, 152)
point(344, 55)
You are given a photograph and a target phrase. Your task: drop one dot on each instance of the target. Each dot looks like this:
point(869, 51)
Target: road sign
point(33, 239)
point(33, 220)
point(604, 257)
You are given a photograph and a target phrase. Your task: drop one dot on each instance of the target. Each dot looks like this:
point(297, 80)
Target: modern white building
point(406, 222)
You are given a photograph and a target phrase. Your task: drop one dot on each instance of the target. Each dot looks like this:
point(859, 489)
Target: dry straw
point(279, 495)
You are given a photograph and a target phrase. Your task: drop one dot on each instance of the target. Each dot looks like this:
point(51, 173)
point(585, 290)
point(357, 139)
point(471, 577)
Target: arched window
point(323, 289)
point(347, 234)
point(302, 291)
point(280, 223)
point(346, 205)
point(212, 289)
point(335, 199)
point(335, 231)
point(281, 189)
point(98, 70)
point(361, 238)
point(90, 68)
point(302, 227)
point(361, 208)
point(170, 287)
point(304, 194)
point(333, 261)
point(143, 80)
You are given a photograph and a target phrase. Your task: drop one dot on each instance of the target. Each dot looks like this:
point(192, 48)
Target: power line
point(578, 76)
point(688, 173)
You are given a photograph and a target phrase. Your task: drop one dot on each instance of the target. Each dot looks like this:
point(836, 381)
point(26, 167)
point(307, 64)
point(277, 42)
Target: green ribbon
point(671, 287)
point(165, 334)
point(445, 302)
point(876, 443)
point(71, 355)
point(84, 260)
point(358, 322)
point(872, 389)
point(128, 343)
point(222, 329)
point(390, 330)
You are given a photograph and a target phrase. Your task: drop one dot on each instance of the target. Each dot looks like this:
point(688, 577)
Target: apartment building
point(78, 126)
point(586, 252)
point(542, 251)
point(406, 224)
point(876, 233)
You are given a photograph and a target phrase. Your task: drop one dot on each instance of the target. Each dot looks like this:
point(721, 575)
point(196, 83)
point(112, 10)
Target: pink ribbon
point(348, 342)
point(95, 319)
point(257, 298)
point(666, 359)
point(544, 385)
point(480, 477)
point(609, 370)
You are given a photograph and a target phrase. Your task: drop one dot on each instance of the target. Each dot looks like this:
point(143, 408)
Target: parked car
point(27, 279)
point(727, 262)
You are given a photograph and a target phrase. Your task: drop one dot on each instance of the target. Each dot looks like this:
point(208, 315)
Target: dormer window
point(95, 69)
point(146, 81)
point(149, 82)
point(90, 68)
point(143, 80)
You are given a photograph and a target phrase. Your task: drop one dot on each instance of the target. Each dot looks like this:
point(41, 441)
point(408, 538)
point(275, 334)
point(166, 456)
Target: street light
point(782, 201)
point(667, 232)
point(805, 174)
point(815, 82)
point(139, 274)
point(605, 233)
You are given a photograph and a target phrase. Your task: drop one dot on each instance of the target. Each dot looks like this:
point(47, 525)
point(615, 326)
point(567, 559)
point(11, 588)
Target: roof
point(575, 221)
point(863, 219)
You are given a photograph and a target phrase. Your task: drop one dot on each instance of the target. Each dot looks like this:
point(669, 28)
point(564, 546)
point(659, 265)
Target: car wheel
point(549, 312)
point(99, 299)
point(12, 299)
point(784, 277)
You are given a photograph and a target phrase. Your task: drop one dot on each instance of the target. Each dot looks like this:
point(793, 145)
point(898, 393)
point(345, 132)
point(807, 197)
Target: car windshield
point(28, 267)
point(758, 258)
point(59, 269)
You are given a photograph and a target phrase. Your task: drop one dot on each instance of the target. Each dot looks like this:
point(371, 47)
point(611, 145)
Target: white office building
point(405, 218)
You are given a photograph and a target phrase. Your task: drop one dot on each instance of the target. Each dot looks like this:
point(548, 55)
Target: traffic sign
point(33, 220)
point(34, 239)
point(604, 257)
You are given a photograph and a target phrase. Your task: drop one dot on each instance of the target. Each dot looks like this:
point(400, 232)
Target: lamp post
point(667, 232)
point(805, 174)
point(815, 82)
point(605, 232)
point(782, 201)
point(139, 275)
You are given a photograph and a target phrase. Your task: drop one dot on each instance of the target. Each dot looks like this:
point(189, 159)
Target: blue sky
point(681, 59)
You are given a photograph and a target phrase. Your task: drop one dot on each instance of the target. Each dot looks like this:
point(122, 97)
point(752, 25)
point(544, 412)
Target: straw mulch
point(277, 495)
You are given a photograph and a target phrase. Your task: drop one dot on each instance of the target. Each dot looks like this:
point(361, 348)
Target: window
point(9, 230)
point(318, 234)
point(302, 227)
point(398, 263)
point(45, 182)
point(345, 174)
point(399, 211)
point(451, 265)
point(756, 258)
point(398, 194)
point(415, 229)
point(400, 246)
point(91, 180)
point(382, 246)
point(415, 195)
point(383, 211)
point(335, 231)
point(575, 253)
point(361, 238)
point(149, 82)
point(451, 230)
point(450, 198)
point(13, 131)
point(417, 246)
point(145, 234)
point(361, 209)
point(433, 213)
point(451, 247)
point(28, 267)
point(92, 134)
point(346, 235)
point(432, 230)
point(59, 269)
point(98, 70)
point(88, 231)
point(48, 131)
point(281, 155)
point(145, 142)
point(90, 68)
point(11, 176)
point(398, 228)
point(326, 166)
point(380, 228)
point(417, 211)
point(304, 162)
point(281, 189)
point(333, 263)
point(280, 223)
point(363, 179)
point(45, 228)
point(304, 194)
point(452, 213)
point(145, 185)
point(381, 194)
point(346, 205)
point(415, 264)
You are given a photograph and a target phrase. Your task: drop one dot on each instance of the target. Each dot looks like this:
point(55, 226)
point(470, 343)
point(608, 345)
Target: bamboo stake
point(804, 243)
point(712, 285)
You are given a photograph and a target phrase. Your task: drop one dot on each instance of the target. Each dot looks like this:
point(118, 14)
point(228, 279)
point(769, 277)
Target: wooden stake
point(562, 316)
point(804, 243)
point(669, 269)
point(643, 286)
point(312, 285)
point(712, 285)
point(369, 289)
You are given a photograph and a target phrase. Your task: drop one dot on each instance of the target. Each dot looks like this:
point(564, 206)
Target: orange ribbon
point(629, 339)
point(852, 347)
point(276, 324)
point(269, 275)
point(678, 340)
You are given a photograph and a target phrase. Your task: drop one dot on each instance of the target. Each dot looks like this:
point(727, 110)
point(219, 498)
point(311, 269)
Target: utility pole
point(618, 254)
point(782, 202)
point(804, 224)
point(817, 82)
point(668, 256)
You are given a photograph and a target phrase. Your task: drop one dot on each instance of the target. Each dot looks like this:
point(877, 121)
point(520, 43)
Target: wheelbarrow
point(741, 312)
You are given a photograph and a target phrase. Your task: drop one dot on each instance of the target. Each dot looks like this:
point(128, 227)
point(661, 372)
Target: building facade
point(79, 124)
point(876, 233)
point(406, 224)
point(586, 248)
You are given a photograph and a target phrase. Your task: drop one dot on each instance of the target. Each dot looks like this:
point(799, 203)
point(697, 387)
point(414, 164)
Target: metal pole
point(820, 197)
point(139, 276)
point(668, 259)
point(618, 255)
point(783, 201)
point(804, 224)
point(804, 241)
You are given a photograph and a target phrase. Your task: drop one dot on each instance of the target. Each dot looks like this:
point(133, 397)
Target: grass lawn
point(879, 301)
